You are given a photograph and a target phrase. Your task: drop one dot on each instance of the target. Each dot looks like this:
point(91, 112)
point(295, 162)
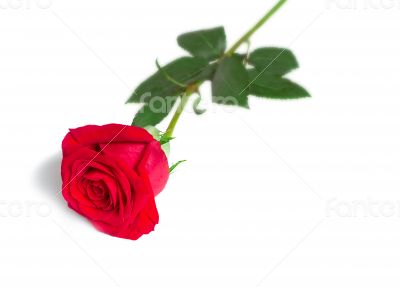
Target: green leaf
point(153, 113)
point(230, 83)
point(278, 61)
point(156, 133)
point(271, 86)
point(172, 168)
point(164, 139)
point(167, 76)
point(196, 104)
point(207, 44)
point(186, 70)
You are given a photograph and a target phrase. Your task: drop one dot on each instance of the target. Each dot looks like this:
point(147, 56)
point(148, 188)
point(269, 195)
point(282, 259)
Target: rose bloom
point(111, 175)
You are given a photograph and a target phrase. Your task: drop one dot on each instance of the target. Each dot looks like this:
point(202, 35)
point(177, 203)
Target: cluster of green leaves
point(234, 77)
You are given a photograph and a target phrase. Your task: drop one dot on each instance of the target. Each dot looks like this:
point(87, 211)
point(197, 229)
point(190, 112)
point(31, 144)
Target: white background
point(286, 194)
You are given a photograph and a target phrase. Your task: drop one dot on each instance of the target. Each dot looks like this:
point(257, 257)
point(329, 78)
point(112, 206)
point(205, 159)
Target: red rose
point(111, 175)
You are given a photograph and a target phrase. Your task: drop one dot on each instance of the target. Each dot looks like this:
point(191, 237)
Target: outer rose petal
point(155, 164)
point(131, 154)
point(145, 222)
point(96, 135)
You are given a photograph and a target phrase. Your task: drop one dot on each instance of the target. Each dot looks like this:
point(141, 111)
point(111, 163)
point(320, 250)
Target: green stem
point(183, 102)
point(192, 89)
point(254, 29)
